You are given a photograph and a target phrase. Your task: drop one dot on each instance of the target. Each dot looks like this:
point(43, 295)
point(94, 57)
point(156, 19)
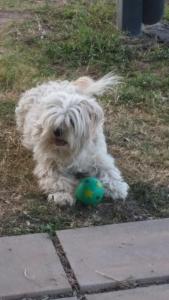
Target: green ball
point(90, 191)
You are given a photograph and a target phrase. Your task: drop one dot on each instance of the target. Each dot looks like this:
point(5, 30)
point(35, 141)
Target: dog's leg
point(59, 188)
point(111, 178)
point(64, 191)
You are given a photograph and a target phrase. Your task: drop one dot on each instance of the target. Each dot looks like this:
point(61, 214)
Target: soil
point(7, 16)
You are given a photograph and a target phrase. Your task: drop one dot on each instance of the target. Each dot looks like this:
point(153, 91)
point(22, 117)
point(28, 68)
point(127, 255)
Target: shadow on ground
point(144, 202)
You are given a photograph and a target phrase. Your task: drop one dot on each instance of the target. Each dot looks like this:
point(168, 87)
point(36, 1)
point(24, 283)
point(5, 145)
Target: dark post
point(132, 13)
point(152, 11)
point(129, 16)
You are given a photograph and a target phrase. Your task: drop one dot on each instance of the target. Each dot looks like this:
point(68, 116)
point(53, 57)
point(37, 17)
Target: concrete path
point(123, 254)
point(29, 266)
point(88, 261)
point(148, 293)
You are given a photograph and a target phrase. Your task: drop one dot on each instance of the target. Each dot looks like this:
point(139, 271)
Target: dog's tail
point(88, 86)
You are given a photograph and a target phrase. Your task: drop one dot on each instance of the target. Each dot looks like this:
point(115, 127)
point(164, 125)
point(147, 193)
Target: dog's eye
point(58, 132)
point(72, 123)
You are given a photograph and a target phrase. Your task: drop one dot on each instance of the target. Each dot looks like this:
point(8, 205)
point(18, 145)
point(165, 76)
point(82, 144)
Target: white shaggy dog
point(62, 124)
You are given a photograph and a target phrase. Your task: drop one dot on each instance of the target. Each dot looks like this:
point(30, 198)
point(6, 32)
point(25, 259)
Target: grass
point(65, 41)
point(7, 110)
point(11, 5)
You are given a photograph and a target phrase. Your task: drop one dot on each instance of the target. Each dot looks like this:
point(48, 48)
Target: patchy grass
point(7, 110)
point(78, 44)
point(22, 4)
point(66, 41)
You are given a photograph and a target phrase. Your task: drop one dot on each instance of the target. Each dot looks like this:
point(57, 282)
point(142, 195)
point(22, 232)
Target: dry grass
point(136, 116)
point(140, 141)
point(11, 5)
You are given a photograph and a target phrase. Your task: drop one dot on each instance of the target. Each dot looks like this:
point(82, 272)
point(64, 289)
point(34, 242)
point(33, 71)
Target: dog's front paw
point(61, 198)
point(119, 191)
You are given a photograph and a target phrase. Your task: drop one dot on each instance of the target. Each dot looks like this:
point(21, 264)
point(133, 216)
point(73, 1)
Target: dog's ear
point(83, 83)
point(88, 86)
point(37, 131)
point(94, 112)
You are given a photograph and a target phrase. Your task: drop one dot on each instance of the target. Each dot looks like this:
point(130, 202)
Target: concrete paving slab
point(29, 266)
point(103, 256)
point(69, 298)
point(149, 293)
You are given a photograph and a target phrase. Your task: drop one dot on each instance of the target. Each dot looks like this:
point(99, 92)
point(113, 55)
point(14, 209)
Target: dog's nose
point(58, 132)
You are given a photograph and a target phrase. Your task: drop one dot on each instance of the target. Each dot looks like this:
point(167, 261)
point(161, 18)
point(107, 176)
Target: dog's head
point(68, 122)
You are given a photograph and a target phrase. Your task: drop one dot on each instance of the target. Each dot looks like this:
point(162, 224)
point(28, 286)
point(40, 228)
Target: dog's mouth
point(60, 142)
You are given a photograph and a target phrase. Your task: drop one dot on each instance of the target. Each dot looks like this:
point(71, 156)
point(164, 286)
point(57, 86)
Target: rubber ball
point(90, 191)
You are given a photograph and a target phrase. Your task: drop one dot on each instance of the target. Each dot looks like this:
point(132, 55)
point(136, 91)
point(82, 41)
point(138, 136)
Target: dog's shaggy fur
point(62, 124)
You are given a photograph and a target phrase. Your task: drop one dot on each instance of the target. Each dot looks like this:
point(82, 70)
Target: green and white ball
point(90, 191)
